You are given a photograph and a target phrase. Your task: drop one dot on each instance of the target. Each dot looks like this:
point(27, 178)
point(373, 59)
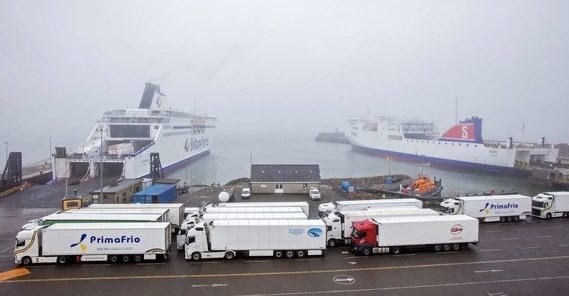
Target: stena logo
point(464, 132)
point(456, 229)
point(314, 232)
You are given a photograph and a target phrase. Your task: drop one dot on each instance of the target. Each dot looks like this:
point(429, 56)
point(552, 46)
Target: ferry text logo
point(82, 246)
point(490, 206)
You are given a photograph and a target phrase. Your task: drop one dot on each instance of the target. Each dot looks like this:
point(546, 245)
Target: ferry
point(122, 140)
point(460, 147)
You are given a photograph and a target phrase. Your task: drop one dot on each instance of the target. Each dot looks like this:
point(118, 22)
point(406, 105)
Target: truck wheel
point(26, 261)
point(516, 219)
point(548, 216)
point(438, 248)
point(229, 255)
point(446, 247)
point(279, 254)
point(138, 258)
point(196, 256)
point(396, 250)
point(125, 259)
point(62, 260)
point(366, 251)
point(456, 247)
point(113, 259)
point(332, 243)
point(509, 219)
point(300, 253)
point(289, 254)
point(502, 219)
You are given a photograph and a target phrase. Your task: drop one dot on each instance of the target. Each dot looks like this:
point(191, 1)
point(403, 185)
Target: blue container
point(157, 193)
point(345, 185)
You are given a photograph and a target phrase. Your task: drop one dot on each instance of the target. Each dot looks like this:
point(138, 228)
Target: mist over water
point(232, 152)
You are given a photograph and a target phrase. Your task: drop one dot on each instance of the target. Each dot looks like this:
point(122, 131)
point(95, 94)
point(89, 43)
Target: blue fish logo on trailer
point(314, 232)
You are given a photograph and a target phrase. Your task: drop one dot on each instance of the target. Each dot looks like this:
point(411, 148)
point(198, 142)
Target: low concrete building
point(284, 178)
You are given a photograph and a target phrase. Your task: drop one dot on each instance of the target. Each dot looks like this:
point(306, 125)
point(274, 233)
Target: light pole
point(100, 129)
point(6, 151)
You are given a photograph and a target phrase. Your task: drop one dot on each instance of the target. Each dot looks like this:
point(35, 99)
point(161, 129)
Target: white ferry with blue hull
point(460, 147)
point(127, 137)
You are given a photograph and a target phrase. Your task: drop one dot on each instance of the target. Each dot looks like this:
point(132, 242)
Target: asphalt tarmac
point(526, 258)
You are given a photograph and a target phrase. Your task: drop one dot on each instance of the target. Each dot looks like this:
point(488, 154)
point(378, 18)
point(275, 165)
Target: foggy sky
point(285, 65)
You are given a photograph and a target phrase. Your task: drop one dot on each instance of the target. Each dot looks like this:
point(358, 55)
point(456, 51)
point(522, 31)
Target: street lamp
point(100, 129)
point(6, 151)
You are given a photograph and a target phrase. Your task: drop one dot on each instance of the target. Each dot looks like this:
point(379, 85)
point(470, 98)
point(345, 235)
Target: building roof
point(118, 186)
point(274, 173)
point(155, 189)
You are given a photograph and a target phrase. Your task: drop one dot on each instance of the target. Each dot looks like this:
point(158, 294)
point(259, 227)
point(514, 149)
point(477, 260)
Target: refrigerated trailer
point(359, 205)
point(397, 234)
point(489, 208)
point(60, 217)
point(549, 205)
point(278, 238)
point(176, 210)
point(244, 210)
point(209, 217)
point(301, 204)
point(81, 242)
point(165, 213)
point(339, 224)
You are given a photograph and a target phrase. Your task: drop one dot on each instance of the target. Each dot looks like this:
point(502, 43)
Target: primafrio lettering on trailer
point(489, 208)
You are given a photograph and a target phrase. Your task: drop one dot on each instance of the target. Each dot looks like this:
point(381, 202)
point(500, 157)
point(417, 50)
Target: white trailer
point(359, 205)
point(239, 213)
point(339, 225)
point(60, 217)
point(549, 205)
point(176, 210)
point(165, 213)
point(244, 210)
point(301, 204)
point(397, 234)
point(489, 208)
point(278, 238)
point(78, 242)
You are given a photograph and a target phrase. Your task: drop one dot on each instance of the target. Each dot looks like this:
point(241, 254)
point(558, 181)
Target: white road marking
point(10, 248)
point(357, 257)
point(543, 236)
point(525, 248)
point(510, 238)
point(403, 255)
point(522, 229)
point(564, 245)
point(497, 294)
point(211, 286)
point(489, 250)
point(492, 231)
point(445, 253)
point(418, 286)
point(488, 270)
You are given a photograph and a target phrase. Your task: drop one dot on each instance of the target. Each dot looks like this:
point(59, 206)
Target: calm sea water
point(233, 152)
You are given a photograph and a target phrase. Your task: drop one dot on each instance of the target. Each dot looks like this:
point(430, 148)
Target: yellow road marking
point(10, 274)
point(273, 273)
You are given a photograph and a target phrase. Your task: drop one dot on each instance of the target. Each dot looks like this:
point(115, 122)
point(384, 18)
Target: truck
point(397, 234)
point(489, 208)
point(176, 210)
point(547, 205)
point(61, 217)
point(64, 243)
point(339, 224)
point(355, 205)
point(208, 217)
point(244, 210)
point(301, 204)
point(250, 238)
point(165, 213)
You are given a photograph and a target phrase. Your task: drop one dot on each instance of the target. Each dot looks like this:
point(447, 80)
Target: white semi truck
point(81, 242)
point(165, 213)
point(358, 205)
point(176, 210)
point(60, 217)
point(301, 204)
point(339, 224)
point(397, 234)
point(549, 205)
point(278, 238)
point(489, 208)
point(208, 217)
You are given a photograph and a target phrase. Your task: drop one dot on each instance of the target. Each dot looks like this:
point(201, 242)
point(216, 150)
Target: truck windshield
point(446, 210)
point(357, 234)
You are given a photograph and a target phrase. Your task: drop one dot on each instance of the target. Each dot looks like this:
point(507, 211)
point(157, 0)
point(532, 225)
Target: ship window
point(130, 131)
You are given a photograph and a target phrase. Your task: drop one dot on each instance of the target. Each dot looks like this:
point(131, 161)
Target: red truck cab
point(364, 237)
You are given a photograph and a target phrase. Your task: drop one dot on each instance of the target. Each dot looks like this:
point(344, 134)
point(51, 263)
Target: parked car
point(245, 193)
point(314, 194)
